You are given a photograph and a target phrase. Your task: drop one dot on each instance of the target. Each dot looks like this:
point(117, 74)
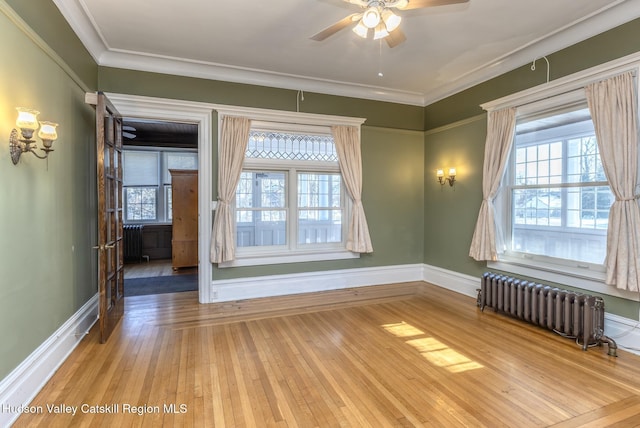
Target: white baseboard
point(624, 331)
point(25, 381)
point(454, 281)
point(278, 285)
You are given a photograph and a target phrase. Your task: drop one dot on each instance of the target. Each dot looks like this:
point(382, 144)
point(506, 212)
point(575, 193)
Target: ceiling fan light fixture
point(371, 17)
point(380, 32)
point(401, 4)
point(391, 20)
point(361, 30)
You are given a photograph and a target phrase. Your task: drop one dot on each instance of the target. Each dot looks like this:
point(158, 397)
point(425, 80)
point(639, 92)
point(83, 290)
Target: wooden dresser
point(184, 200)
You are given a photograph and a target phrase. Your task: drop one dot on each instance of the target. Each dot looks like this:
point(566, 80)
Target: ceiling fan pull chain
point(380, 73)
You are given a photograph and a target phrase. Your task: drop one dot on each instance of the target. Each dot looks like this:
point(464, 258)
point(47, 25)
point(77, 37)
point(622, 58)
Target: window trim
point(571, 89)
point(567, 270)
point(289, 121)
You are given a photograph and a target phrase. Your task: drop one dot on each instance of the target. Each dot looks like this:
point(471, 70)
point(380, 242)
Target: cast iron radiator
point(132, 242)
point(567, 313)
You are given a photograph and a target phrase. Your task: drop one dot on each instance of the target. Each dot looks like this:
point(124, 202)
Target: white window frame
point(291, 206)
point(504, 202)
point(291, 122)
point(565, 90)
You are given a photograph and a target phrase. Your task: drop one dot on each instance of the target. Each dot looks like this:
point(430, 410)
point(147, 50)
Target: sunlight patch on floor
point(434, 351)
point(402, 329)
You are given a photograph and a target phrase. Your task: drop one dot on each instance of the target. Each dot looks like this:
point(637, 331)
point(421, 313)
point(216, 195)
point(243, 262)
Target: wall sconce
point(28, 123)
point(450, 179)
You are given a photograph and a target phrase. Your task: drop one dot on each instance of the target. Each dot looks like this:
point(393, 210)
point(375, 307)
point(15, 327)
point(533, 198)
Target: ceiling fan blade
point(417, 4)
point(395, 38)
point(361, 3)
point(331, 30)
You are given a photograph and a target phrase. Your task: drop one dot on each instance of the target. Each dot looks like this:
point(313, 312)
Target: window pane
point(291, 146)
point(319, 226)
point(317, 192)
point(261, 228)
point(568, 221)
point(141, 203)
point(541, 207)
point(261, 216)
point(140, 168)
point(584, 163)
point(168, 200)
point(244, 192)
point(272, 189)
point(178, 160)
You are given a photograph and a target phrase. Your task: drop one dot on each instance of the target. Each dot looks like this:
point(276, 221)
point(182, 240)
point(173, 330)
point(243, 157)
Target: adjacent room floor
point(152, 268)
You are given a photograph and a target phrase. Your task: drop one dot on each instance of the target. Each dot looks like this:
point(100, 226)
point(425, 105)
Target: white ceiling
point(448, 48)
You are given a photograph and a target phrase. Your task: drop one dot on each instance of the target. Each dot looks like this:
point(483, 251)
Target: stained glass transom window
point(291, 146)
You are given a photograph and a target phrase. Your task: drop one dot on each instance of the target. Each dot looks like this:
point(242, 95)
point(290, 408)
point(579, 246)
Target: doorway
point(199, 114)
point(160, 167)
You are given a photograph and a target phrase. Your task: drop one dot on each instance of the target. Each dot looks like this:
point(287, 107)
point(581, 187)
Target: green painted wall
point(450, 212)
point(455, 136)
point(46, 20)
point(392, 152)
point(46, 208)
point(388, 115)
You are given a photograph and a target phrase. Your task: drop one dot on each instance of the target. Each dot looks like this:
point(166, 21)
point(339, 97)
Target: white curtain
point(612, 103)
point(350, 158)
point(234, 138)
point(501, 126)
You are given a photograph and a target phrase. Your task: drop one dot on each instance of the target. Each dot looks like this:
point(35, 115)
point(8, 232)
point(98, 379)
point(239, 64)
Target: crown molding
point(618, 13)
point(226, 73)
point(84, 27)
point(598, 22)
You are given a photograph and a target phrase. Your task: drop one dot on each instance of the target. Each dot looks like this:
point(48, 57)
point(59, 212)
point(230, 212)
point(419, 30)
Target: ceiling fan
point(378, 17)
point(128, 131)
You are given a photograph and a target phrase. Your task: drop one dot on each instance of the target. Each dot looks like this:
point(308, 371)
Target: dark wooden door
point(110, 215)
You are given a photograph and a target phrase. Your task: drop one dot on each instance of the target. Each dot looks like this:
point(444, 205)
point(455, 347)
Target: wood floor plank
point(406, 354)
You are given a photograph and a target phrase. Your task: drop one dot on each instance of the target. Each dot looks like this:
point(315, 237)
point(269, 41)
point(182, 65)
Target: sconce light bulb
point(48, 133)
point(439, 173)
point(27, 121)
point(452, 172)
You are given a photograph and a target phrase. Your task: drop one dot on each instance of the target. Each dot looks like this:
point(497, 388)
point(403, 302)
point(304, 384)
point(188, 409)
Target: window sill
point(577, 277)
point(280, 258)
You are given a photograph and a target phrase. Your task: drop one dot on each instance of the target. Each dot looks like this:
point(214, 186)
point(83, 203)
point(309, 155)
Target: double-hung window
point(555, 197)
point(147, 182)
point(291, 203)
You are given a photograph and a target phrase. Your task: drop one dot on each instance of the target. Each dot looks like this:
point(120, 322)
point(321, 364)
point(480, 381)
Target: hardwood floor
point(388, 356)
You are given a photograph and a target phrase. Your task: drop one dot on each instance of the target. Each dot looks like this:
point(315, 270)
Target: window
point(556, 197)
point(140, 175)
point(290, 199)
point(147, 182)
